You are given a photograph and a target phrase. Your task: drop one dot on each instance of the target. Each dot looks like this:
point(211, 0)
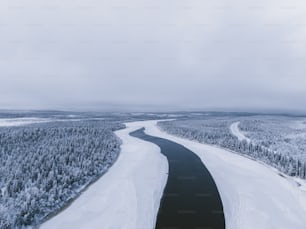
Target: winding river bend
point(191, 199)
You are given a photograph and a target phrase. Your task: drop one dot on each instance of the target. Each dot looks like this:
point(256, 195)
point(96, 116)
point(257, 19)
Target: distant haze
point(164, 55)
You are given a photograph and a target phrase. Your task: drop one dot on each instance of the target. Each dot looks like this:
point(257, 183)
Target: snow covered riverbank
point(127, 196)
point(253, 195)
point(236, 132)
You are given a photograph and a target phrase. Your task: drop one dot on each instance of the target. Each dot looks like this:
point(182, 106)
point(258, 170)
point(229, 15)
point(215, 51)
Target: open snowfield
point(237, 132)
point(6, 122)
point(254, 196)
point(127, 196)
point(299, 125)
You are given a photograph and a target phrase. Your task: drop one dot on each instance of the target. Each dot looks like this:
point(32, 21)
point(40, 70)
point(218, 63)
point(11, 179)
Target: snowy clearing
point(7, 122)
point(237, 132)
point(127, 196)
point(253, 195)
point(299, 125)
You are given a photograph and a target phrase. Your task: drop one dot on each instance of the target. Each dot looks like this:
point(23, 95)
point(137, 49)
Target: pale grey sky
point(176, 54)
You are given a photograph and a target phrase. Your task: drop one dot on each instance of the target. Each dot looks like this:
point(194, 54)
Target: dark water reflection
point(191, 199)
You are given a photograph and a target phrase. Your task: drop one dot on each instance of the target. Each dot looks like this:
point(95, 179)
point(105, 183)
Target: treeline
point(221, 136)
point(44, 166)
point(281, 135)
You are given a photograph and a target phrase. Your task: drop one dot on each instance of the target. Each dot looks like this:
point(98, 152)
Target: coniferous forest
point(45, 166)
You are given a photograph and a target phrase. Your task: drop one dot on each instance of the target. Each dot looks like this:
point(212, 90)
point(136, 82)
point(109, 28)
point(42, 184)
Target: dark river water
point(191, 199)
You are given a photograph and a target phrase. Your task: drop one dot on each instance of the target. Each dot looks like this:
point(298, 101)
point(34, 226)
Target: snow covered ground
point(299, 124)
point(236, 132)
point(127, 196)
point(254, 195)
point(6, 122)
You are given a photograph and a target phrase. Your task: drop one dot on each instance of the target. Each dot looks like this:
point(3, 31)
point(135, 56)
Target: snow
point(253, 195)
point(127, 196)
point(237, 132)
point(7, 122)
point(299, 125)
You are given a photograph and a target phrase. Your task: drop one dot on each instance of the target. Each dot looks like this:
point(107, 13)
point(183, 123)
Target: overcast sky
point(157, 54)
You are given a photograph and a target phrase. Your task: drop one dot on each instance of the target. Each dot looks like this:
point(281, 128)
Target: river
point(191, 199)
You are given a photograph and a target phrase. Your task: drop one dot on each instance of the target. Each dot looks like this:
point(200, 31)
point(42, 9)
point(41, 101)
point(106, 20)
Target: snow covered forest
point(215, 131)
point(45, 166)
point(284, 135)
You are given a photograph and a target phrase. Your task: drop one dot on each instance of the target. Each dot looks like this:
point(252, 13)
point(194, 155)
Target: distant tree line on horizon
point(216, 132)
point(44, 166)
